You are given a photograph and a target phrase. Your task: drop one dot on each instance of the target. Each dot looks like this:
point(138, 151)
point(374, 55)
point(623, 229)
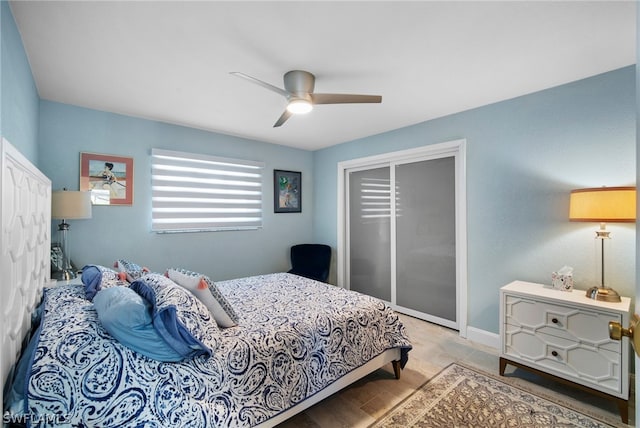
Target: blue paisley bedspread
point(295, 336)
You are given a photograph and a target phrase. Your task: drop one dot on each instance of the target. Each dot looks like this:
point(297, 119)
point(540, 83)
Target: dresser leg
point(623, 408)
point(503, 365)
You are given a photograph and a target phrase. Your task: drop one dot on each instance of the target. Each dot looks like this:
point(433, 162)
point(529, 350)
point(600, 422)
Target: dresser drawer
point(578, 325)
point(588, 365)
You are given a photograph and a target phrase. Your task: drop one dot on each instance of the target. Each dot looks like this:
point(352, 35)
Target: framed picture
point(108, 177)
point(287, 191)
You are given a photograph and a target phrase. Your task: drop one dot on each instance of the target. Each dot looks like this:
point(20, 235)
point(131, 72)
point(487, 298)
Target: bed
point(292, 342)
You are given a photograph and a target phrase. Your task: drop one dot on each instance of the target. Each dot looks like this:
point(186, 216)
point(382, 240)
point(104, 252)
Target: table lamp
point(68, 205)
point(603, 205)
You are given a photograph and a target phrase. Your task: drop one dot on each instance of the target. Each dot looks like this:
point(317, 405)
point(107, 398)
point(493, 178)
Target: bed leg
point(396, 368)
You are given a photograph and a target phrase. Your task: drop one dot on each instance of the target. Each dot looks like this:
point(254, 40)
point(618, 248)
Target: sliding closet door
point(403, 227)
point(425, 247)
point(369, 229)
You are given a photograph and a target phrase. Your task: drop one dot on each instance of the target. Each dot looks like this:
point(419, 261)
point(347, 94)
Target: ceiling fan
point(298, 89)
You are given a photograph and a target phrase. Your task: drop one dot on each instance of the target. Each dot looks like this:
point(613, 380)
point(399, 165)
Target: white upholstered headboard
point(25, 243)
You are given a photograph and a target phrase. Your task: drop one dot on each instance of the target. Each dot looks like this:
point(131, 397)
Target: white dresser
point(565, 335)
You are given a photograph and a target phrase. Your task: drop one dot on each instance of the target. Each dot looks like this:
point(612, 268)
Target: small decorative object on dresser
point(565, 336)
point(562, 279)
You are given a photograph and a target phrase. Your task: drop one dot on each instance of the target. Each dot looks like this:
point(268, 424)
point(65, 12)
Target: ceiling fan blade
point(261, 83)
point(285, 115)
point(344, 98)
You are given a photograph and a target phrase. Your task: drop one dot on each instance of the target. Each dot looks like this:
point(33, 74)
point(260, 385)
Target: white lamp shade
point(70, 205)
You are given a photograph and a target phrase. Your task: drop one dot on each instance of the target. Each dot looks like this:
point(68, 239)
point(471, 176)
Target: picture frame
point(287, 191)
point(109, 178)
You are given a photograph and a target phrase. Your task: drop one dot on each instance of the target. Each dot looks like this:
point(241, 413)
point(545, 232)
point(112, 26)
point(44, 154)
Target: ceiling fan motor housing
point(300, 83)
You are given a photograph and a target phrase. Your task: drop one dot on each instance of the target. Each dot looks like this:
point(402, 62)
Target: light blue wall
point(18, 93)
point(124, 231)
point(523, 158)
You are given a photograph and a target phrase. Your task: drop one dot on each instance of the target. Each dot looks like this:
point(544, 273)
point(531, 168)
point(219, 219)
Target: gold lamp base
point(604, 294)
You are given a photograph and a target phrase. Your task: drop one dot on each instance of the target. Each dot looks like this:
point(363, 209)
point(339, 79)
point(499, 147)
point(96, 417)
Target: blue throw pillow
point(96, 277)
point(178, 316)
point(127, 317)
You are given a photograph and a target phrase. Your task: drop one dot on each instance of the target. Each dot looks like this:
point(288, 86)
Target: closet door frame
point(456, 149)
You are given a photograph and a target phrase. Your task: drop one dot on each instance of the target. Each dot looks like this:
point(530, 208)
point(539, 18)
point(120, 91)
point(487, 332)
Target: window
point(192, 192)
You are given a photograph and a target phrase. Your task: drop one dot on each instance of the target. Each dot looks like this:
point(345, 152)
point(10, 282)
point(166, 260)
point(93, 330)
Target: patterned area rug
point(462, 397)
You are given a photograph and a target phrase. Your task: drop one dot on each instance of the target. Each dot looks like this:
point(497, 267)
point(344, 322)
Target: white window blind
point(193, 192)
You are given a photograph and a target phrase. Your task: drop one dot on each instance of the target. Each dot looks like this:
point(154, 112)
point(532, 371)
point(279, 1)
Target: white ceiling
point(170, 60)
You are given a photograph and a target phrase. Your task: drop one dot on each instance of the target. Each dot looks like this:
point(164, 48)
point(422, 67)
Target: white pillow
point(207, 292)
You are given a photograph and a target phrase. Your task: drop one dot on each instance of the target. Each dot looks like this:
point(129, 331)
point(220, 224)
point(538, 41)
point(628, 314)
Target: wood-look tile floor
point(434, 348)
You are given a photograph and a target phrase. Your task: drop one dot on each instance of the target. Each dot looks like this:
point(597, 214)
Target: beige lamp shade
point(603, 204)
point(70, 205)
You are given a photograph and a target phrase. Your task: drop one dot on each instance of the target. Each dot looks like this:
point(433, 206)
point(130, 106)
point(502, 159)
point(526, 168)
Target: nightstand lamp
point(68, 205)
point(603, 205)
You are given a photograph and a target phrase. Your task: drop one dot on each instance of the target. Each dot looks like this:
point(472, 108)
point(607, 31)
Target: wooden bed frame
point(25, 253)
point(25, 266)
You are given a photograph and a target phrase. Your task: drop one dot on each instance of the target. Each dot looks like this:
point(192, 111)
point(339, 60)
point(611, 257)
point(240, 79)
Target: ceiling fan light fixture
point(299, 106)
point(298, 90)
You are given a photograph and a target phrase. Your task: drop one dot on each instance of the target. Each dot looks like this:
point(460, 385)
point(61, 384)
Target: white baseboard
point(483, 337)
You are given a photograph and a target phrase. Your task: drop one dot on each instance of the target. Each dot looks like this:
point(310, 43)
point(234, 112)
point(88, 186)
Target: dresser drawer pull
point(554, 320)
point(554, 353)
